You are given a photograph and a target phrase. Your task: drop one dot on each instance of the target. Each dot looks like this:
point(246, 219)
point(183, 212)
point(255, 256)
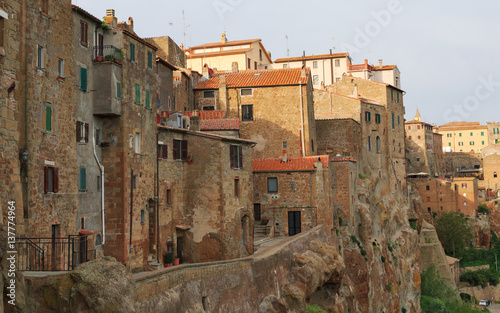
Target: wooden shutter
point(78, 131)
point(48, 119)
point(160, 150)
point(184, 150)
point(82, 31)
point(83, 179)
point(176, 155)
point(56, 179)
point(86, 132)
point(83, 79)
point(164, 151)
point(137, 93)
point(240, 156)
point(132, 51)
point(231, 155)
point(46, 179)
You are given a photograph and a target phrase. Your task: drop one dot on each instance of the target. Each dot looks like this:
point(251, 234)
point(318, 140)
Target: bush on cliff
point(480, 278)
point(454, 233)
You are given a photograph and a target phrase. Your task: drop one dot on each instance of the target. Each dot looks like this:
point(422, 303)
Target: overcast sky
point(447, 51)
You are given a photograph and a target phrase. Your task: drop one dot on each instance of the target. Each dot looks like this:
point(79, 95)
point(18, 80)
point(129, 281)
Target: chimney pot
point(366, 61)
point(304, 53)
point(110, 12)
point(380, 62)
point(330, 51)
point(223, 38)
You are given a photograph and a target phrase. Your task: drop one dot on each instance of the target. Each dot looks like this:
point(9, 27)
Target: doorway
point(256, 211)
point(180, 248)
point(294, 223)
point(152, 227)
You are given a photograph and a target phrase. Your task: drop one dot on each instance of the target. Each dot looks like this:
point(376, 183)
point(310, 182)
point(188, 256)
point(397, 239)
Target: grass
point(315, 309)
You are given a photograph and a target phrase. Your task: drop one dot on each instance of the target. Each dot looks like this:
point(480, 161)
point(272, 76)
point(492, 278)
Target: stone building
point(388, 74)
point(464, 136)
point(275, 108)
point(424, 148)
point(248, 54)
point(493, 133)
point(11, 161)
point(491, 170)
point(293, 193)
point(338, 136)
point(168, 50)
point(459, 164)
point(205, 195)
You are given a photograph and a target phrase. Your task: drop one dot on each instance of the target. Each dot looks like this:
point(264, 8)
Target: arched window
point(378, 143)
point(98, 240)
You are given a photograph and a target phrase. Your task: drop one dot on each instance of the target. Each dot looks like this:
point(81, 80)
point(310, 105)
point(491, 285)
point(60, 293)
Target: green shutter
point(398, 119)
point(150, 59)
point(83, 179)
point(48, 119)
point(118, 90)
point(132, 51)
point(137, 93)
point(482, 143)
point(83, 79)
point(147, 99)
point(392, 95)
point(397, 94)
point(393, 123)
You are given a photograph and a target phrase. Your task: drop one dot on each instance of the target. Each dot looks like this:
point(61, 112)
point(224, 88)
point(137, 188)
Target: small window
point(48, 119)
point(148, 104)
point(393, 122)
point(137, 143)
point(51, 179)
point(118, 90)
point(409, 137)
point(150, 60)
point(427, 187)
point(83, 79)
point(255, 65)
point(337, 64)
point(285, 65)
point(83, 179)
point(312, 145)
point(44, 7)
point(209, 94)
point(162, 152)
point(495, 175)
point(272, 184)
point(143, 217)
point(369, 143)
point(132, 52)
point(260, 54)
point(418, 159)
point(315, 79)
point(419, 137)
point(180, 149)
point(82, 132)
point(39, 57)
point(377, 144)
point(3, 22)
point(377, 118)
point(397, 96)
point(60, 68)
point(246, 92)
point(368, 116)
point(459, 134)
point(247, 112)
point(285, 144)
point(249, 64)
point(208, 108)
point(84, 30)
point(169, 197)
point(392, 95)
point(236, 188)
point(464, 185)
point(399, 121)
point(315, 64)
point(134, 181)
point(236, 156)
point(482, 133)
point(82, 223)
point(137, 93)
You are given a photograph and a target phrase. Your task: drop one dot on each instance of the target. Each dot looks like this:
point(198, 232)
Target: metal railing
point(107, 53)
point(52, 254)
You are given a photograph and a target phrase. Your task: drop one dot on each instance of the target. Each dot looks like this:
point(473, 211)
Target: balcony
point(108, 53)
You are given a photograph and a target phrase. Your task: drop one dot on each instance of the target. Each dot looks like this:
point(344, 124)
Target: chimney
point(366, 61)
point(130, 24)
point(330, 51)
point(303, 72)
point(194, 123)
point(223, 93)
point(206, 72)
point(380, 62)
point(356, 92)
point(303, 53)
point(234, 67)
point(110, 18)
point(284, 158)
point(223, 38)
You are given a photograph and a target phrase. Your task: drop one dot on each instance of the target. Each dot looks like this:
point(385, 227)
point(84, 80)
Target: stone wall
point(461, 160)
point(339, 136)
point(169, 50)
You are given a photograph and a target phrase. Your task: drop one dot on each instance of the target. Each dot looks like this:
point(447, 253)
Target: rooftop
point(256, 78)
point(461, 126)
point(222, 124)
point(225, 44)
point(291, 165)
point(312, 57)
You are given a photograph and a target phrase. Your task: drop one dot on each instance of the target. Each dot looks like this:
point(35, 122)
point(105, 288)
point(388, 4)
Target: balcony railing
point(52, 254)
point(108, 53)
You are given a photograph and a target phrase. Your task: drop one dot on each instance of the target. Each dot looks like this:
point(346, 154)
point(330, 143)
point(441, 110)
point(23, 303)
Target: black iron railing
point(107, 53)
point(52, 254)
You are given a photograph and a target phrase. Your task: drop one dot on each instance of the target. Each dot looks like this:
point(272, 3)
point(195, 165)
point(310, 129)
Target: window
point(409, 137)
point(495, 175)
point(284, 144)
point(315, 64)
point(83, 79)
point(377, 144)
point(39, 57)
point(134, 181)
point(464, 185)
point(169, 197)
point(143, 217)
point(427, 187)
point(337, 63)
point(83, 179)
point(162, 151)
point(48, 119)
point(180, 148)
point(132, 52)
point(249, 64)
point(315, 79)
point(397, 96)
point(368, 116)
point(137, 143)
point(236, 156)
point(247, 112)
point(399, 122)
point(471, 143)
point(209, 94)
point(82, 131)
point(60, 68)
point(418, 159)
point(496, 141)
point(45, 6)
point(51, 179)
point(255, 65)
point(3, 22)
point(459, 134)
point(208, 108)
point(369, 143)
point(285, 65)
point(482, 142)
point(482, 133)
point(272, 184)
point(118, 90)
point(137, 93)
point(429, 200)
point(377, 118)
point(82, 223)
point(148, 105)
point(448, 135)
point(460, 143)
point(260, 54)
point(449, 144)
point(495, 131)
point(471, 134)
point(246, 91)
point(393, 122)
point(392, 95)
point(236, 188)
point(84, 30)
point(150, 60)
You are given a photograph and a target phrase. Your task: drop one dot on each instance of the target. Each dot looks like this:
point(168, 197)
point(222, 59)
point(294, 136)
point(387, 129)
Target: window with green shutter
point(147, 99)
point(393, 122)
point(150, 59)
point(482, 133)
point(482, 142)
point(48, 119)
point(392, 95)
point(118, 90)
point(83, 179)
point(83, 79)
point(137, 93)
point(399, 123)
point(397, 94)
point(132, 52)
point(377, 118)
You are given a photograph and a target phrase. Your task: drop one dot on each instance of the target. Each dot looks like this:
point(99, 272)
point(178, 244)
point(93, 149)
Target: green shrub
point(362, 176)
point(315, 309)
point(465, 297)
point(388, 287)
point(433, 305)
point(480, 278)
point(168, 258)
point(483, 209)
point(382, 258)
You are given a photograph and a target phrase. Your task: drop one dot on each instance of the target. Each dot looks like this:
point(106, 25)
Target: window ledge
point(60, 78)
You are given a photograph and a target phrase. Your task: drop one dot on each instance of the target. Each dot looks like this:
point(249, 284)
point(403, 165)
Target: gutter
point(101, 168)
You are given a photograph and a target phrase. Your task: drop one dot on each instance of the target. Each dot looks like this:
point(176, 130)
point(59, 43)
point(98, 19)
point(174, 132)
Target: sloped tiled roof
point(312, 57)
point(461, 126)
point(217, 53)
point(346, 159)
point(291, 165)
point(223, 124)
point(256, 78)
point(229, 43)
point(86, 13)
point(207, 115)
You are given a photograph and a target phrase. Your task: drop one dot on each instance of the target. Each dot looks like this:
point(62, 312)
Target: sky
point(447, 51)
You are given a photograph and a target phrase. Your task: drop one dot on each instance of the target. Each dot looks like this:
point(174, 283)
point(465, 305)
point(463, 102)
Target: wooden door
point(294, 223)
point(256, 211)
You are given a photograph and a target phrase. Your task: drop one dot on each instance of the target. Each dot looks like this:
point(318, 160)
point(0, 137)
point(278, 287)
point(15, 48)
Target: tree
point(453, 232)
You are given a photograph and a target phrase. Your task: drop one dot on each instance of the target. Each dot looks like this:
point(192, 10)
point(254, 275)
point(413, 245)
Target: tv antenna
point(287, 50)
point(184, 26)
point(333, 43)
point(172, 26)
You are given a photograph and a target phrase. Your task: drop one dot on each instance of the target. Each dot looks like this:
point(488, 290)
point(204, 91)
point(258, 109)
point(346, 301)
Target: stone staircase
point(259, 232)
point(153, 262)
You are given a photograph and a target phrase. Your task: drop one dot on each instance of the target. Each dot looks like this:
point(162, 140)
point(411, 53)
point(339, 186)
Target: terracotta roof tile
point(256, 78)
point(207, 115)
point(312, 57)
point(291, 165)
point(86, 13)
point(216, 53)
point(224, 124)
point(229, 43)
point(346, 159)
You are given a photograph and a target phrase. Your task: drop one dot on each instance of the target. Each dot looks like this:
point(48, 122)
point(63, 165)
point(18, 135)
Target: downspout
point(312, 209)
point(157, 198)
point(131, 216)
point(101, 168)
point(302, 118)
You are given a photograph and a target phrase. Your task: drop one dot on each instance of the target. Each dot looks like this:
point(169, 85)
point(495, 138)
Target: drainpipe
point(131, 216)
point(157, 198)
point(101, 168)
point(312, 209)
point(302, 118)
